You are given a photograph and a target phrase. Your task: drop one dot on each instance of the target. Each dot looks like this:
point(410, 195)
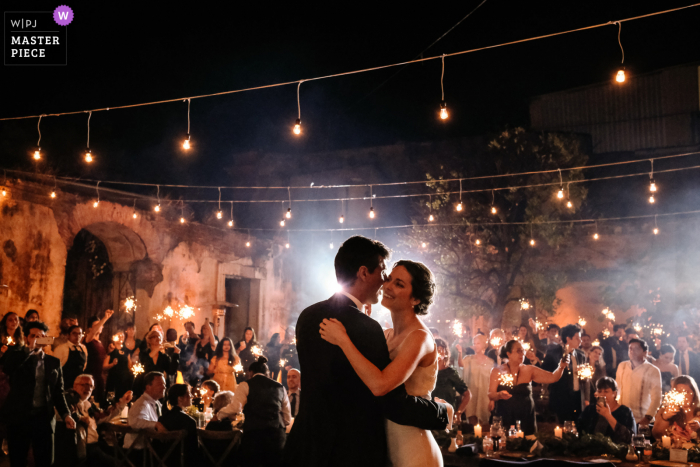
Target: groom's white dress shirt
point(354, 300)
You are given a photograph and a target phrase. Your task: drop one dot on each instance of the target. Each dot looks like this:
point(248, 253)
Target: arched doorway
point(97, 274)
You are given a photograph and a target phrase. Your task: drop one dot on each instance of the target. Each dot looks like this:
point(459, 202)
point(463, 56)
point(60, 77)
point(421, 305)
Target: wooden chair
point(235, 439)
point(121, 455)
point(169, 440)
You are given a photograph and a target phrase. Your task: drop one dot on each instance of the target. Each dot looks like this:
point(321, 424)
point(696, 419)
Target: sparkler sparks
point(203, 392)
point(168, 312)
point(256, 350)
point(606, 332)
point(137, 369)
point(116, 338)
point(496, 341)
point(238, 368)
point(506, 379)
point(585, 371)
point(582, 322)
point(282, 362)
point(129, 304)
point(458, 329)
point(186, 312)
point(595, 342)
point(10, 341)
point(674, 400)
point(526, 346)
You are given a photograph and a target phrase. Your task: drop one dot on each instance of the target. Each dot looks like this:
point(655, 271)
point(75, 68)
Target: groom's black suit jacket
point(340, 422)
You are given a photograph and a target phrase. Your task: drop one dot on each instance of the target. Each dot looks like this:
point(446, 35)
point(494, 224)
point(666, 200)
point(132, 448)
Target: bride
point(408, 292)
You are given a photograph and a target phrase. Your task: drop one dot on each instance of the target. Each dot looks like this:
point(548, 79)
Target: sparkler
point(674, 400)
point(524, 304)
point(526, 346)
point(10, 341)
point(658, 330)
point(186, 312)
point(203, 392)
point(606, 332)
point(282, 362)
point(637, 328)
point(115, 338)
point(582, 322)
point(585, 371)
point(458, 329)
point(506, 379)
point(168, 312)
point(129, 304)
point(294, 341)
point(238, 368)
point(137, 369)
point(496, 341)
point(256, 350)
point(595, 342)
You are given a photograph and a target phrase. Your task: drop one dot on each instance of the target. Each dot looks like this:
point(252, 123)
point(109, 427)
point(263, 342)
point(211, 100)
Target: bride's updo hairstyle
point(259, 366)
point(506, 349)
point(422, 283)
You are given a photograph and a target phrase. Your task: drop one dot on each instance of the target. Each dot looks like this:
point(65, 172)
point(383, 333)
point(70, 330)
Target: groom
point(340, 422)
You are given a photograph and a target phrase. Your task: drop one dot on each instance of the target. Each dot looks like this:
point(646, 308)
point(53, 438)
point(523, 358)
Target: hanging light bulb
point(289, 213)
point(157, 208)
point(532, 242)
point(595, 236)
point(431, 218)
point(569, 204)
point(297, 127)
point(493, 210)
point(371, 213)
point(459, 206)
point(186, 142)
point(219, 214)
point(652, 186)
point(560, 193)
point(230, 223)
point(88, 156)
point(95, 204)
point(53, 194)
point(37, 154)
point(620, 75)
point(443, 111)
point(478, 242)
point(282, 223)
point(248, 244)
point(4, 191)
point(286, 245)
point(341, 219)
point(182, 220)
point(651, 199)
point(656, 231)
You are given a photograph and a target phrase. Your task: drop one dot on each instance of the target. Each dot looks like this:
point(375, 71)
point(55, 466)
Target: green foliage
point(481, 279)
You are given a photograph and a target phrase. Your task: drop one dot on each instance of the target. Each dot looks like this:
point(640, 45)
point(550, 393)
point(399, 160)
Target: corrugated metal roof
point(655, 110)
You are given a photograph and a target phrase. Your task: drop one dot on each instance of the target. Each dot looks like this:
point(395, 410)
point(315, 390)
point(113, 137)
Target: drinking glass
point(496, 435)
point(638, 443)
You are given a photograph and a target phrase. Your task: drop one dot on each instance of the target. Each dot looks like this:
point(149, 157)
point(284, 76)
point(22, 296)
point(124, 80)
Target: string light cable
point(37, 151)
point(157, 206)
point(186, 143)
point(443, 105)
point(297, 124)
point(219, 214)
point(380, 67)
point(620, 76)
point(97, 189)
point(88, 152)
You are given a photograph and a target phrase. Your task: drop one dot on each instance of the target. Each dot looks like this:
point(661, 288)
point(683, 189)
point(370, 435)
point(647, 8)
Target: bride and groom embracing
point(367, 391)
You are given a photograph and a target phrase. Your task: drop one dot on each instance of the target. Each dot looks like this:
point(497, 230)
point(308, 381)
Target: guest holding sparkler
point(120, 379)
point(204, 351)
point(607, 416)
point(448, 382)
point(157, 360)
point(246, 348)
point(222, 365)
point(679, 409)
point(497, 337)
point(510, 386)
point(96, 352)
point(131, 343)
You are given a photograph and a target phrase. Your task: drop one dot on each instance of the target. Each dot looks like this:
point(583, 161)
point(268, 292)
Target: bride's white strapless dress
point(410, 446)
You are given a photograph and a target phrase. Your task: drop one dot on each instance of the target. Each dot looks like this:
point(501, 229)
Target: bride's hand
point(333, 331)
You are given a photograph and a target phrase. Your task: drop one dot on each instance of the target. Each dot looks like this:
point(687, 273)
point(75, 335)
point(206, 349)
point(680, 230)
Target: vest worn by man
point(264, 406)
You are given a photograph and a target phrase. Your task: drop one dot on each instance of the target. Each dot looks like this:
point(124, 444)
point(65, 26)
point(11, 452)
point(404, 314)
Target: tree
point(483, 260)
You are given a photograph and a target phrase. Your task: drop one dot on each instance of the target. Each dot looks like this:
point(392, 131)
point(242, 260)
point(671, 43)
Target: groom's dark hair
point(356, 252)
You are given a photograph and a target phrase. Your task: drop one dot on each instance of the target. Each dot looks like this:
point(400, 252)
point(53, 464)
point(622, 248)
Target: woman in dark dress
point(448, 382)
point(96, 353)
point(272, 351)
point(156, 359)
point(610, 418)
point(119, 379)
point(244, 348)
point(131, 343)
point(664, 363)
point(204, 351)
point(11, 339)
point(510, 386)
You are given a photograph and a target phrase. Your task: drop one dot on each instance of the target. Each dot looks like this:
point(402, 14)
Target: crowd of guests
point(56, 393)
point(614, 384)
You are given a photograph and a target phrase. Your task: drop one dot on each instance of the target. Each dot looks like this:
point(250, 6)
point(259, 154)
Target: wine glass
point(638, 442)
point(496, 434)
point(644, 430)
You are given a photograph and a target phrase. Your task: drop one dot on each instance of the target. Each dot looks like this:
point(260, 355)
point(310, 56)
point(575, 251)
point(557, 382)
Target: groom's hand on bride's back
point(450, 411)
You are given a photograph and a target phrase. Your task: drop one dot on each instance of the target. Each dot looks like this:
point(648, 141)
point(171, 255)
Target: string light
point(371, 203)
point(341, 219)
point(97, 201)
point(182, 212)
point(656, 226)
point(186, 144)
point(230, 221)
point(532, 238)
point(652, 200)
point(289, 210)
point(493, 202)
point(282, 222)
point(286, 245)
point(219, 213)
point(247, 244)
point(88, 152)
point(134, 215)
point(560, 193)
point(424, 245)
point(459, 206)
point(37, 151)
point(331, 244)
point(297, 124)
point(652, 183)
point(431, 218)
point(620, 75)
point(53, 192)
point(157, 206)
point(569, 204)
point(595, 235)
point(443, 105)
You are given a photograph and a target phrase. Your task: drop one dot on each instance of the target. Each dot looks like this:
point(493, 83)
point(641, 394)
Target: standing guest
point(87, 416)
point(157, 360)
point(208, 390)
point(143, 343)
point(615, 351)
point(179, 399)
point(245, 346)
point(477, 370)
point(294, 393)
point(688, 361)
point(73, 356)
point(461, 350)
point(552, 336)
point(204, 350)
point(682, 421)
point(597, 361)
point(131, 343)
point(64, 326)
point(514, 399)
point(187, 342)
point(586, 344)
point(666, 366)
point(497, 338)
point(610, 418)
point(265, 405)
point(146, 411)
point(288, 353)
point(448, 382)
point(36, 393)
point(30, 317)
point(222, 364)
point(11, 339)
point(525, 336)
point(567, 396)
point(640, 383)
point(272, 350)
point(120, 379)
point(96, 353)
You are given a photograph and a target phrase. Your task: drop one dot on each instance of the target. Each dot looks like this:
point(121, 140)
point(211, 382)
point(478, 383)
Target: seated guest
point(265, 405)
point(179, 399)
point(73, 356)
point(639, 383)
point(208, 390)
point(682, 421)
point(294, 392)
point(146, 411)
point(665, 364)
point(448, 382)
point(608, 417)
point(217, 447)
point(87, 416)
point(36, 394)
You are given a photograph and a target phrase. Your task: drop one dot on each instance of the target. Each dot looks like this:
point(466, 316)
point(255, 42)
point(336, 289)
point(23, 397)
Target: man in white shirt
point(73, 356)
point(639, 383)
point(146, 410)
point(294, 392)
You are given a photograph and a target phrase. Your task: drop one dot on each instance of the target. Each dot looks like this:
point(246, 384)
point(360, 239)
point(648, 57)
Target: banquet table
point(456, 460)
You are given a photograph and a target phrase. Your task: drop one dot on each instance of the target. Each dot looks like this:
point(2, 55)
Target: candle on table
point(557, 432)
point(477, 431)
point(666, 442)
